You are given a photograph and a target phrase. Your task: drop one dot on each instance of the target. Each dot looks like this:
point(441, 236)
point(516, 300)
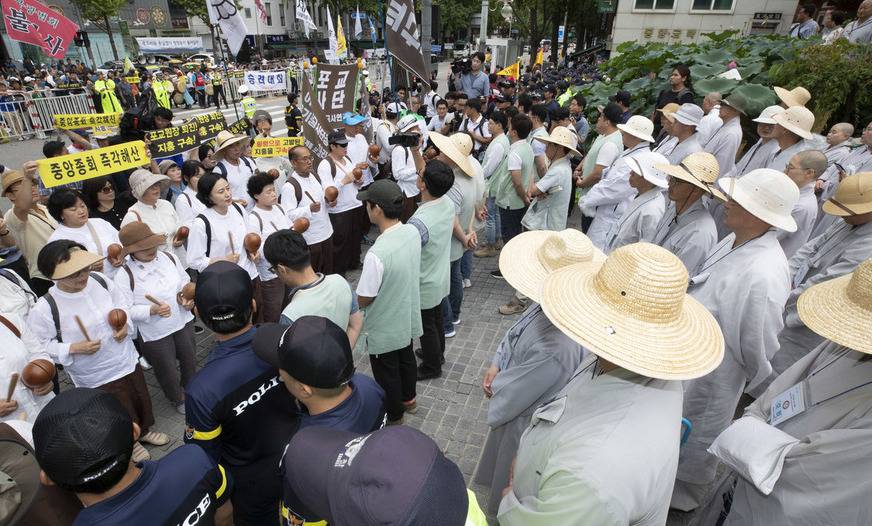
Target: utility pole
point(426, 32)
point(482, 34)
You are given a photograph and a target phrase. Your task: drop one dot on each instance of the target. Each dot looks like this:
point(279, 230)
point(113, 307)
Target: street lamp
point(508, 13)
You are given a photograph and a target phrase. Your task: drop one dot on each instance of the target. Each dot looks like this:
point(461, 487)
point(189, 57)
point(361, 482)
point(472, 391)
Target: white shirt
point(430, 99)
point(404, 171)
point(238, 177)
point(690, 236)
point(265, 222)
point(92, 305)
point(496, 152)
point(804, 213)
point(188, 206)
point(17, 353)
point(347, 199)
point(358, 152)
point(320, 227)
point(607, 154)
point(372, 273)
point(478, 126)
point(684, 148)
point(383, 131)
point(436, 123)
point(162, 219)
point(16, 298)
point(105, 234)
point(639, 222)
point(279, 163)
point(162, 278)
point(232, 223)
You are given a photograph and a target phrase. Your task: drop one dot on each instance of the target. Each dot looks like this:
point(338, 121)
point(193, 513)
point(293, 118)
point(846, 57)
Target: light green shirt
point(329, 297)
point(550, 212)
point(434, 221)
point(466, 192)
point(506, 197)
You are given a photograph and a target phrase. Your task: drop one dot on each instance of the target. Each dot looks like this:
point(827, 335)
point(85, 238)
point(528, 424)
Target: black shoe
point(428, 375)
point(420, 354)
point(496, 274)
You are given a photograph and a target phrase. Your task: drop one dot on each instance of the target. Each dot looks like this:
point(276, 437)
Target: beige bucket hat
point(668, 110)
point(79, 259)
point(225, 139)
point(767, 194)
point(853, 196)
point(841, 309)
point(639, 127)
point(699, 169)
point(457, 148)
point(142, 179)
point(797, 96)
point(562, 136)
point(529, 257)
point(634, 311)
point(796, 119)
point(766, 115)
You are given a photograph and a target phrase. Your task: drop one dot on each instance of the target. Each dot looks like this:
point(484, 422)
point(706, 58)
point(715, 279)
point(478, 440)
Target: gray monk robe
point(690, 236)
point(535, 360)
point(825, 476)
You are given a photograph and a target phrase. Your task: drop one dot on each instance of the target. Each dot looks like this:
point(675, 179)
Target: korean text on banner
point(403, 38)
point(316, 124)
point(187, 136)
point(240, 127)
point(335, 88)
point(75, 121)
point(92, 163)
point(33, 23)
point(266, 80)
point(274, 146)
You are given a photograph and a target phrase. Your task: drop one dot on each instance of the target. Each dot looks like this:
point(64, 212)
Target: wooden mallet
point(13, 382)
point(82, 327)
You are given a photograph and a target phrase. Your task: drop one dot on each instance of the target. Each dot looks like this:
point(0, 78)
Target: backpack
point(139, 119)
point(298, 190)
point(53, 306)
point(260, 219)
point(209, 228)
point(130, 272)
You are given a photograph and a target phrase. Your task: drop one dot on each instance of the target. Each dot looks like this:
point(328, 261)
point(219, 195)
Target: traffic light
point(81, 39)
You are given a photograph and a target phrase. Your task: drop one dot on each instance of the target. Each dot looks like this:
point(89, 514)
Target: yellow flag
point(341, 46)
point(513, 71)
point(539, 57)
point(128, 65)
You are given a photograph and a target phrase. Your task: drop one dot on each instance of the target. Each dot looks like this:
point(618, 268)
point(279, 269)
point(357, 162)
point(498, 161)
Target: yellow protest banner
point(92, 163)
point(274, 146)
point(74, 121)
point(132, 80)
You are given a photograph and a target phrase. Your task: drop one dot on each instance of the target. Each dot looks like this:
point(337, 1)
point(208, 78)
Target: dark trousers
point(451, 303)
point(347, 234)
point(132, 392)
point(321, 256)
point(410, 204)
point(433, 340)
point(257, 491)
point(510, 222)
point(273, 294)
point(396, 372)
point(218, 94)
point(163, 354)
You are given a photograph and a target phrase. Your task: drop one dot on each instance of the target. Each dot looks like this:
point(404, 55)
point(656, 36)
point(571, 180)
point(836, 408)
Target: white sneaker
point(467, 283)
point(144, 363)
point(451, 333)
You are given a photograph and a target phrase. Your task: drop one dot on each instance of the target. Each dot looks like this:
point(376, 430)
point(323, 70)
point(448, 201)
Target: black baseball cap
point(337, 137)
point(622, 96)
point(505, 98)
point(314, 350)
point(80, 435)
point(393, 476)
point(506, 83)
point(223, 291)
point(384, 193)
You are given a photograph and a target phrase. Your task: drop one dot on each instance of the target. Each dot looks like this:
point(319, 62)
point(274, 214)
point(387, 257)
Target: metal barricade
point(32, 113)
point(45, 108)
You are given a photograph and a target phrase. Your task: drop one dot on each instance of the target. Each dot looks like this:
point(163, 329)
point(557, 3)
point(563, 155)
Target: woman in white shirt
point(166, 327)
point(187, 204)
point(19, 348)
point(71, 213)
point(159, 214)
point(267, 217)
point(71, 324)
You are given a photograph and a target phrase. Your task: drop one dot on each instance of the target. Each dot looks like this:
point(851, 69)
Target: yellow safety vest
point(474, 516)
point(160, 93)
point(249, 106)
point(108, 100)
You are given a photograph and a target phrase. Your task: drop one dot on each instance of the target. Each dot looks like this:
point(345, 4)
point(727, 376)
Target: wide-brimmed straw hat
point(79, 259)
point(529, 257)
point(457, 148)
point(136, 236)
point(639, 127)
point(562, 136)
point(853, 196)
point(840, 309)
point(699, 169)
point(668, 110)
point(796, 119)
point(766, 115)
point(10, 178)
point(767, 194)
point(645, 165)
point(798, 96)
point(225, 139)
point(634, 311)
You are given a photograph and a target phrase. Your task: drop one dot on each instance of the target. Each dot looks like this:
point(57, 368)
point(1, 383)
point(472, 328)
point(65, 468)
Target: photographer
point(475, 83)
point(475, 125)
point(384, 130)
point(407, 162)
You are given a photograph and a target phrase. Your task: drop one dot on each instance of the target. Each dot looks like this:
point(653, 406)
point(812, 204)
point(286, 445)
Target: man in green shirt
point(389, 294)
point(434, 220)
point(311, 293)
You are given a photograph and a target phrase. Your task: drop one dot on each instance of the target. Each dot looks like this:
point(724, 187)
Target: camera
point(461, 66)
point(406, 140)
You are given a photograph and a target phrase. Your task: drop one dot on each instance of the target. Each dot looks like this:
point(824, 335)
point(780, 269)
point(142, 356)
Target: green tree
point(456, 14)
point(194, 8)
point(99, 12)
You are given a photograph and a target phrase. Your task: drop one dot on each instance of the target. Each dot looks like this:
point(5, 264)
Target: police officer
point(293, 116)
point(249, 105)
point(236, 407)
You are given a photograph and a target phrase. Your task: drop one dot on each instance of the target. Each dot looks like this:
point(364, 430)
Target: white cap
point(766, 115)
point(242, 90)
point(407, 123)
point(396, 107)
point(644, 164)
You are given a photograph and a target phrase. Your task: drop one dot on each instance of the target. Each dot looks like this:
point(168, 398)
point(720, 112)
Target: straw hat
point(136, 235)
point(699, 169)
point(853, 196)
point(841, 309)
point(79, 259)
point(796, 119)
point(767, 194)
point(634, 311)
point(10, 178)
point(766, 115)
point(225, 139)
point(639, 127)
point(529, 257)
point(457, 148)
point(798, 96)
point(562, 136)
point(645, 165)
point(142, 179)
point(669, 109)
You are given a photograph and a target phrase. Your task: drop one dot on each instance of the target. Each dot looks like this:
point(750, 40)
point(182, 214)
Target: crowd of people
point(670, 270)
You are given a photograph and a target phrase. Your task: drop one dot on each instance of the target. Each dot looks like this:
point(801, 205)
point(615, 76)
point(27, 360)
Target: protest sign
point(187, 136)
point(335, 87)
point(33, 23)
point(92, 163)
point(266, 80)
point(403, 38)
point(74, 121)
point(317, 127)
point(240, 127)
point(274, 146)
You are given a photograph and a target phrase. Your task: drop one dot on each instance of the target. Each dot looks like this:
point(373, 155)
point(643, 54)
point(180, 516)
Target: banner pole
point(226, 73)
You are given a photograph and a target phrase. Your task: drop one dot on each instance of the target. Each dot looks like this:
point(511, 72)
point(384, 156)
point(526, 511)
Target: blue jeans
point(492, 224)
point(466, 265)
point(451, 303)
point(510, 222)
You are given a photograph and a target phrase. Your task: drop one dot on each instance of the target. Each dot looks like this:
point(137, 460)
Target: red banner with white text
point(33, 23)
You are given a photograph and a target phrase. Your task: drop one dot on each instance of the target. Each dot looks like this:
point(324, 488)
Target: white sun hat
point(796, 119)
point(645, 165)
point(639, 127)
point(767, 194)
point(562, 136)
point(766, 115)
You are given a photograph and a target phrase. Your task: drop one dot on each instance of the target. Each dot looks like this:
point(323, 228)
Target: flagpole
point(226, 73)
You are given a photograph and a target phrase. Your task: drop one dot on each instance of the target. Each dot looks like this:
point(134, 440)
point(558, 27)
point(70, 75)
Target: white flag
point(224, 14)
point(331, 53)
point(358, 27)
point(304, 17)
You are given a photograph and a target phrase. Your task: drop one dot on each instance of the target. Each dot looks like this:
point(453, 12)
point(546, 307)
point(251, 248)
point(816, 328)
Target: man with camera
point(475, 125)
point(407, 162)
point(475, 82)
